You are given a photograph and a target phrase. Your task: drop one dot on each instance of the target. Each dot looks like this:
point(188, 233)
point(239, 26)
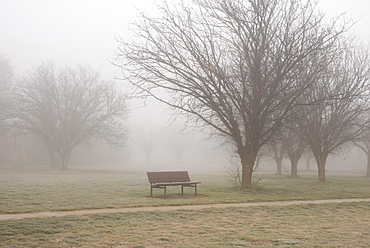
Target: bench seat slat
point(154, 185)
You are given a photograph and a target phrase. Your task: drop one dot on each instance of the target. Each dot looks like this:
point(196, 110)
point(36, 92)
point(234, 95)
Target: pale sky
point(65, 31)
point(83, 31)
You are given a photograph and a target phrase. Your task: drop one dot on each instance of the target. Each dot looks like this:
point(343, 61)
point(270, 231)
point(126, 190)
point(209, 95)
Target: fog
point(84, 32)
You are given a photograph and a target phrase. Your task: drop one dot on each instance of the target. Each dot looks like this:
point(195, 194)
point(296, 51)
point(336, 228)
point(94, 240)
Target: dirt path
point(169, 208)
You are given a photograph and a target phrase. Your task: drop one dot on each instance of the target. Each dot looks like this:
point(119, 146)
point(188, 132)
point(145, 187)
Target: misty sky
point(83, 31)
point(71, 32)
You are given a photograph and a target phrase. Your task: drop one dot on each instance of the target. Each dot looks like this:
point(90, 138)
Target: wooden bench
point(161, 180)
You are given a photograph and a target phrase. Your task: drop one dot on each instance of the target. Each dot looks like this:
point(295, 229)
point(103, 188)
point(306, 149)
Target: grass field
point(324, 225)
point(327, 225)
point(40, 189)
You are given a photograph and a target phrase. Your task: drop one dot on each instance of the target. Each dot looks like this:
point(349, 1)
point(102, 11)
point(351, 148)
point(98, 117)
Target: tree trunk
point(65, 159)
point(321, 170)
point(23, 153)
point(279, 167)
point(248, 159)
point(368, 164)
point(294, 167)
point(64, 163)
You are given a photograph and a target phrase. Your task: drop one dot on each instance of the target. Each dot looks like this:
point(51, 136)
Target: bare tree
point(66, 108)
point(230, 66)
point(332, 123)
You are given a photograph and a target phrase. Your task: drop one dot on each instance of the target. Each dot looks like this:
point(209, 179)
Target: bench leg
point(182, 190)
point(165, 192)
point(195, 190)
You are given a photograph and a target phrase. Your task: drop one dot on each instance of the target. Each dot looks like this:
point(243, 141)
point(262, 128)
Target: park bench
point(161, 180)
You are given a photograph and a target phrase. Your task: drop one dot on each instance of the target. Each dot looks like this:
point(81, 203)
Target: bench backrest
point(168, 176)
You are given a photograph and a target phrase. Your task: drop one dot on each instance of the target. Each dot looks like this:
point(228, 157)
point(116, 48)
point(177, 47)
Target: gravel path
point(169, 208)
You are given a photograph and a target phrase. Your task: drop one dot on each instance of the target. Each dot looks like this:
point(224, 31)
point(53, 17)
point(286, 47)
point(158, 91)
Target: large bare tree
point(66, 108)
point(230, 66)
point(341, 96)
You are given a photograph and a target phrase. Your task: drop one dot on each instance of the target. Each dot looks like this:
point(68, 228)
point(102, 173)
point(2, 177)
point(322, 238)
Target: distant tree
point(6, 72)
point(295, 146)
point(308, 160)
point(277, 150)
point(287, 144)
point(177, 145)
point(363, 143)
point(232, 67)
point(330, 124)
point(66, 108)
point(147, 143)
point(6, 75)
